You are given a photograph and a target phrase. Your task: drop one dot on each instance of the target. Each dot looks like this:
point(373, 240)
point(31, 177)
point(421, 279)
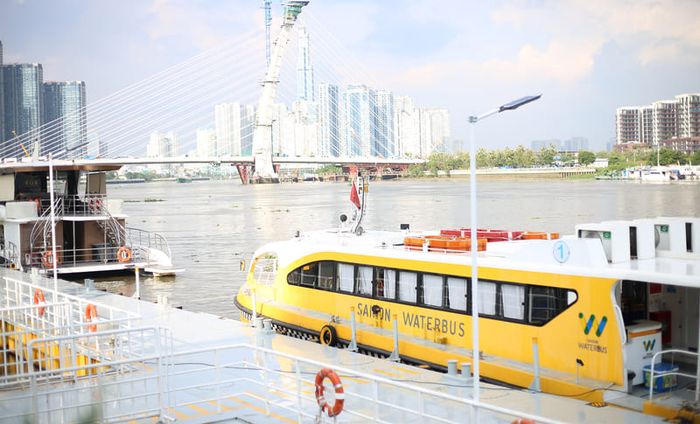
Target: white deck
point(221, 369)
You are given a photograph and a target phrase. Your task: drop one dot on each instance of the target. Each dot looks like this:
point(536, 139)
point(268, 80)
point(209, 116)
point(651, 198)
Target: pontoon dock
point(141, 362)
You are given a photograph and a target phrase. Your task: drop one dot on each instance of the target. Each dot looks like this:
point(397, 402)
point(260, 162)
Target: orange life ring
point(47, 258)
point(124, 254)
point(90, 316)
point(337, 407)
point(40, 300)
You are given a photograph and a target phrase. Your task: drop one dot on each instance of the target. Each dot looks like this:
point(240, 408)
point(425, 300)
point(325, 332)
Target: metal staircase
point(40, 240)
point(115, 233)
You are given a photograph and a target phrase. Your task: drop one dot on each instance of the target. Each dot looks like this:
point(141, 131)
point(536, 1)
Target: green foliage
point(329, 170)
point(695, 158)
point(666, 157)
point(545, 157)
point(586, 158)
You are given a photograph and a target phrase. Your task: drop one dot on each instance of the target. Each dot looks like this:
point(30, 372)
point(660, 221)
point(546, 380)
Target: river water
point(212, 225)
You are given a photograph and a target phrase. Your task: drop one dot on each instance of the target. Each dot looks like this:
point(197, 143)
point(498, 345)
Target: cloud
point(653, 30)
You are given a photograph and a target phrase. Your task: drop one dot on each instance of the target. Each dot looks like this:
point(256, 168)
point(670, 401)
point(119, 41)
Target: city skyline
point(587, 58)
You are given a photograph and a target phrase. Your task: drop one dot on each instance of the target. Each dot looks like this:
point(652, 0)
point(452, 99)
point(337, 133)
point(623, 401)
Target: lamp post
point(472, 199)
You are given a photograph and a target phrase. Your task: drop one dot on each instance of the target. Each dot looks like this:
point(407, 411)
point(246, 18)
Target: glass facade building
point(65, 119)
point(22, 92)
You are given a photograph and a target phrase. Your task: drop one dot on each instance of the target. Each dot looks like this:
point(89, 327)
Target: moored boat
point(590, 315)
point(90, 237)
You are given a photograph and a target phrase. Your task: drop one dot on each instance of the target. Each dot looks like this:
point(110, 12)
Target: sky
point(586, 57)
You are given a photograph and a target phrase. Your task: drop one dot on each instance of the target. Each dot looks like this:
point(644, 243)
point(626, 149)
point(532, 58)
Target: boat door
point(657, 317)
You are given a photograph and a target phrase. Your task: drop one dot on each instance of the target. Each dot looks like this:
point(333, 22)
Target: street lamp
point(472, 198)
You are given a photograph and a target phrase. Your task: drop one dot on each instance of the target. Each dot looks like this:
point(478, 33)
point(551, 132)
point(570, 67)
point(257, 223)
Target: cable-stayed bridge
point(155, 121)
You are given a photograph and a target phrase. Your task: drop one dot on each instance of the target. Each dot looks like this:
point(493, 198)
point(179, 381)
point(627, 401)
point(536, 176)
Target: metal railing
point(653, 375)
point(9, 255)
point(147, 240)
point(32, 310)
point(121, 377)
point(78, 205)
point(99, 253)
point(285, 382)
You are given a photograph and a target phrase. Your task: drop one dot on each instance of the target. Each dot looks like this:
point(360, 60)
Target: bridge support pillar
point(244, 173)
point(353, 170)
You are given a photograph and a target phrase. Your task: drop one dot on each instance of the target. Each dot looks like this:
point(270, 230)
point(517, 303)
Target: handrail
point(147, 239)
point(685, 352)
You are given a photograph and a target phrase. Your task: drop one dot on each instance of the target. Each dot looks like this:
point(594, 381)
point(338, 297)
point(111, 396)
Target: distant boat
point(656, 173)
point(184, 179)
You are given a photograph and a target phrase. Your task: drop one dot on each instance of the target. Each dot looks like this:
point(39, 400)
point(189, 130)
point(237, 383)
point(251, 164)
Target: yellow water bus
point(583, 315)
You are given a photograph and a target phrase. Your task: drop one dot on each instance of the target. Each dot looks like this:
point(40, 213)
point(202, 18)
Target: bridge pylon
point(262, 134)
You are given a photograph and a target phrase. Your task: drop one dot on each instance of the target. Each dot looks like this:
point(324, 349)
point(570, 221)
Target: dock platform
point(72, 353)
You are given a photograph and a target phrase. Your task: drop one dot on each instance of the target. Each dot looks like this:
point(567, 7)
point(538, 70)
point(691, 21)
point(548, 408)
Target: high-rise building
point(162, 145)
point(660, 121)
point(234, 124)
point(22, 85)
point(329, 120)
point(383, 124)
point(664, 120)
point(359, 110)
point(305, 72)
point(206, 143)
point(434, 130)
point(65, 119)
point(688, 115)
point(627, 125)
point(406, 124)
point(247, 127)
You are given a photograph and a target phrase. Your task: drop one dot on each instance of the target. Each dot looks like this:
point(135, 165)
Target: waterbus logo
point(649, 344)
point(588, 324)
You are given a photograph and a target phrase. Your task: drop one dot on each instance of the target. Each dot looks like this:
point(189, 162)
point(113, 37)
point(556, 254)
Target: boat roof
point(587, 256)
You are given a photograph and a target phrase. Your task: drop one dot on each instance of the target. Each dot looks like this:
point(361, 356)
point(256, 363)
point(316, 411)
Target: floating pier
point(78, 354)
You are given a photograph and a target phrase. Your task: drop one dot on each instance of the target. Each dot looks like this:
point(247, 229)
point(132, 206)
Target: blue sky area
point(587, 57)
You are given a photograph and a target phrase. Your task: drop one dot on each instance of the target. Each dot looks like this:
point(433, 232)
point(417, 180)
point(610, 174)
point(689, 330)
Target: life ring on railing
point(90, 316)
point(337, 407)
point(40, 300)
point(47, 258)
point(124, 254)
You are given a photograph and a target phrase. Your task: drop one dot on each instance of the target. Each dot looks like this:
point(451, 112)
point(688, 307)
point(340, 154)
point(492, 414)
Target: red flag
point(354, 198)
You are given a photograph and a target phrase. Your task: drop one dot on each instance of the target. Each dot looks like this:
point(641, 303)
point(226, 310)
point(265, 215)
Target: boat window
point(389, 284)
point(456, 293)
point(547, 302)
point(309, 274)
point(364, 280)
point(513, 298)
point(407, 286)
point(346, 275)
point(432, 289)
point(294, 277)
point(487, 298)
point(265, 269)
point(326, 276)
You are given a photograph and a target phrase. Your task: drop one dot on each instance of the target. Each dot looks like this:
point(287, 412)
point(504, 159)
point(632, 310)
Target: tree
point(695, 158)
point(586, 158)
point(665, 157)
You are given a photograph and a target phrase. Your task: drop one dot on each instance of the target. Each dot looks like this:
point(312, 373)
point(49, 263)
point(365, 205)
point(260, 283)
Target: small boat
point(91, 236)
point(184, 179)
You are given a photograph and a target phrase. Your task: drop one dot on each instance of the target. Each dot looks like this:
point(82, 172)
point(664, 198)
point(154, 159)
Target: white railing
point(661, 374)
point(32, 311)
point(275, 382)
point(128, 382)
